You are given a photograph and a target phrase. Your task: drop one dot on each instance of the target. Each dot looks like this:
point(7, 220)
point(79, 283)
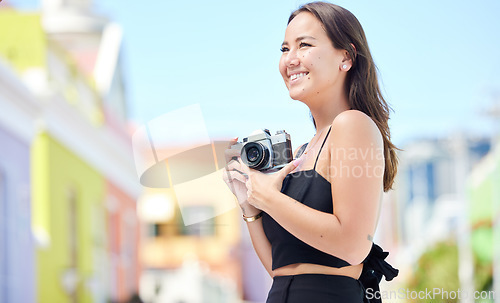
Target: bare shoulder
point(354, 125)
point(353, 118)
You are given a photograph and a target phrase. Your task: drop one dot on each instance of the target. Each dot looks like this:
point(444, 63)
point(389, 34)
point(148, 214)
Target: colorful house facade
point(78, 161)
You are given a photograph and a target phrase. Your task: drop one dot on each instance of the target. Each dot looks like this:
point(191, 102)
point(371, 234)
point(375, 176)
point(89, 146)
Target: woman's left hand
point(261, 187)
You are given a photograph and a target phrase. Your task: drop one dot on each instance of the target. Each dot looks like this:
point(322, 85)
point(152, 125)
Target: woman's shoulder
point(355, 125)
point(352, 117)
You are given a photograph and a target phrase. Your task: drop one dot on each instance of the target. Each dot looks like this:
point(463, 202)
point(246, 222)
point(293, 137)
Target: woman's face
point(310, 65)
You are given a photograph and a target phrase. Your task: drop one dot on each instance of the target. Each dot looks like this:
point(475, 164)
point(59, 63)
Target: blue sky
point(438, 62)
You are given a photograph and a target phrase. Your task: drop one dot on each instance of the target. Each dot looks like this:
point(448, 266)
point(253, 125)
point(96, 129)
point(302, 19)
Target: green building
point(484, 215)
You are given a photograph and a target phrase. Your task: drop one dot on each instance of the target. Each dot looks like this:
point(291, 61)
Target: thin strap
point(326, 137)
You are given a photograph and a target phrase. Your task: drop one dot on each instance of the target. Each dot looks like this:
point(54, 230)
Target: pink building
point(124, 234)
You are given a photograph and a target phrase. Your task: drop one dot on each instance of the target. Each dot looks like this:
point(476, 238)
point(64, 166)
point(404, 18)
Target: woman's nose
point(291, 59)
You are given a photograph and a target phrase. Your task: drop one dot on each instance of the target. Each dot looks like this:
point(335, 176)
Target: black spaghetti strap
point(326, 137)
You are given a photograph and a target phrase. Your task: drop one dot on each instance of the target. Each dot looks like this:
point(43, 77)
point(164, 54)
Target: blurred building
point(484, 207)
point(192, 251)
point(75, 154)
point(196, 249)
point(429, 205)
point(17, 114)
point(430, 186)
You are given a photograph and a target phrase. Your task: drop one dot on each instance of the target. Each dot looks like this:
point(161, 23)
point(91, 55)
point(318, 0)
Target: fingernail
point(297, 162)
point(235, 139)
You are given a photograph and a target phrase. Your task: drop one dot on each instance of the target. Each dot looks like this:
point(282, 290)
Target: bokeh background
point(79, 77)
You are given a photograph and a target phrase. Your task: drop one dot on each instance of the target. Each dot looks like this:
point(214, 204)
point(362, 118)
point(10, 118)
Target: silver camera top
point(261, 134)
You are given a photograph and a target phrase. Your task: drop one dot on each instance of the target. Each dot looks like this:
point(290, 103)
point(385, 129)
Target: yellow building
point(67, 193)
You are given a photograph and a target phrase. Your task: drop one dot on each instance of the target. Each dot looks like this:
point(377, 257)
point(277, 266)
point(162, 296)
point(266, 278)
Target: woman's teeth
point(297, 76)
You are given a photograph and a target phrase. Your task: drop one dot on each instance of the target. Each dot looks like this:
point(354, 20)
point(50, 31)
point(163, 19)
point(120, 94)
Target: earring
point(344, 66)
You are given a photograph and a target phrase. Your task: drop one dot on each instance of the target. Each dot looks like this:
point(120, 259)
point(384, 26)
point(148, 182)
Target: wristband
point(251, 219)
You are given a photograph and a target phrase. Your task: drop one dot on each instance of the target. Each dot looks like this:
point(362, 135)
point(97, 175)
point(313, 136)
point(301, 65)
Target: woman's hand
point(261, 187)
point(235, 179)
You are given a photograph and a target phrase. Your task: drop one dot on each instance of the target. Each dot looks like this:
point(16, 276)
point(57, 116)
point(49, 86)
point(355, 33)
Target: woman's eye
point(284, 49)
point(303, 44)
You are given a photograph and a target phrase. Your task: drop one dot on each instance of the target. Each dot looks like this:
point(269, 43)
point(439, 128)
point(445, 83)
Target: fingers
point(235, 165)
point(232, 142)
point(235, 168)
point(290, 167)
point(231, 152)
point(234, 175)
point(245, 169)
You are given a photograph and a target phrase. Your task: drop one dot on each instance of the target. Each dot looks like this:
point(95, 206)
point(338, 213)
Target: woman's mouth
point(297, 76)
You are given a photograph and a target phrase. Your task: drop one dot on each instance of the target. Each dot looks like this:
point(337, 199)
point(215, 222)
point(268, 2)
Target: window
point(72, 225)
point(129, 247)
point(153, 230)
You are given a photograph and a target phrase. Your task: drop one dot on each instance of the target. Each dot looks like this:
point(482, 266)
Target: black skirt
point(314, 288)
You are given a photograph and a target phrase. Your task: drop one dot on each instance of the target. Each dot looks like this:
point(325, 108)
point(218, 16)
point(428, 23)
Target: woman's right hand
point(235, 179)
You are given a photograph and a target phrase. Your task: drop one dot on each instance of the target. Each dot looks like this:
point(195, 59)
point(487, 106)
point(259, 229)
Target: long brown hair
point(345, 32)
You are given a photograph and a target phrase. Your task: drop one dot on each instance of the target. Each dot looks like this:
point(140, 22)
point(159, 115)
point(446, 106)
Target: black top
point(313, 190)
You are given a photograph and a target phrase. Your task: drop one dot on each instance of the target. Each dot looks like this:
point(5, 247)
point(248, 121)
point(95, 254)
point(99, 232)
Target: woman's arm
point(261, 244)
point(236, 182)
point(235, 179)
point(356, 174)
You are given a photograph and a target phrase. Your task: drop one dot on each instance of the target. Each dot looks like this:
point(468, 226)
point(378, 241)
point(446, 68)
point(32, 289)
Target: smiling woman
point(307, 51)
point(319, 213)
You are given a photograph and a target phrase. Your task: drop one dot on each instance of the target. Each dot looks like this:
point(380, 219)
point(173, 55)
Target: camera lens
point(255, 155)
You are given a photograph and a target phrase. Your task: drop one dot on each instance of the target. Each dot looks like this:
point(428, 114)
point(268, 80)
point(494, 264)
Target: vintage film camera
point(264, 152)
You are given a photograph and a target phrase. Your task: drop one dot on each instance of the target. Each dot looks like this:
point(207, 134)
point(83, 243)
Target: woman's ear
point(346, 61)
point(354, 50)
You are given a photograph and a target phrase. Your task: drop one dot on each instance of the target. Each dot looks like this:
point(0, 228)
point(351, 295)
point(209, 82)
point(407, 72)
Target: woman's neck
point(324, 112)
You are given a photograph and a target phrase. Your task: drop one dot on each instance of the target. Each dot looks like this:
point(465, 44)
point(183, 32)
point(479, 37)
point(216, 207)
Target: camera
point(264, 152)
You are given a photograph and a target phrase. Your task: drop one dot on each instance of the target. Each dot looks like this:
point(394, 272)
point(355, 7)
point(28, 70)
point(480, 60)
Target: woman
point(312, 223)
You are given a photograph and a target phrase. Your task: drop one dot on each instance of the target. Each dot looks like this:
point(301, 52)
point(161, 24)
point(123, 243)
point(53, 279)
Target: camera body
point(264, 152)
